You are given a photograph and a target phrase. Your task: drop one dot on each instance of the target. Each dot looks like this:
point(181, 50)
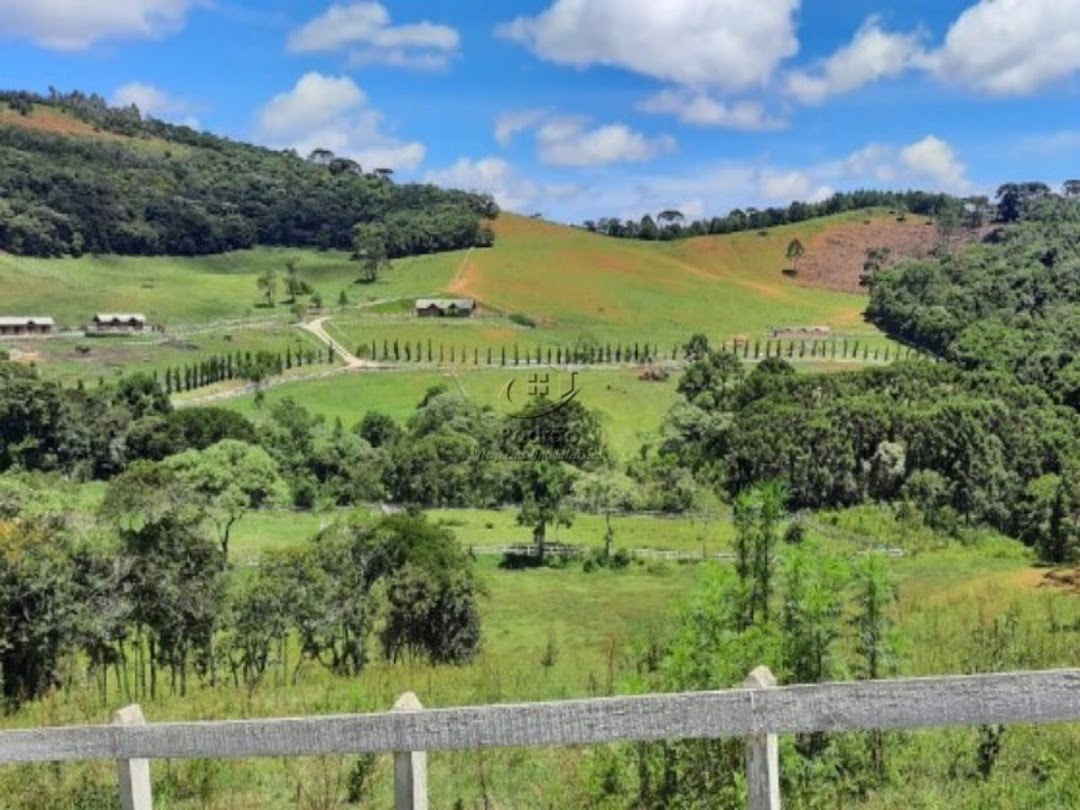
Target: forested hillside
point(671, 224)
point(1012, 305)
point(77, 176)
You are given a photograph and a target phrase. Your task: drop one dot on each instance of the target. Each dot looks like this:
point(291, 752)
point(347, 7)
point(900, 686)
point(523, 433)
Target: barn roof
point(445, 303)
point(26, 321)
point(121, 317)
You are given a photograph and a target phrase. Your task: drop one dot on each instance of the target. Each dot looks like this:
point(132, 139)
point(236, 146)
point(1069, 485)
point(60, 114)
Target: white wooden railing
point(757, 712)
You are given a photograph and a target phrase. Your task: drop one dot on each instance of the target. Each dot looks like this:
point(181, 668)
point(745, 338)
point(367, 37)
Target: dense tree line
point(956, 446)
point(672, 224)
point(1010, 305)
point(140, 594)
point(450, 452)
point(166, 189)
point(240, 365)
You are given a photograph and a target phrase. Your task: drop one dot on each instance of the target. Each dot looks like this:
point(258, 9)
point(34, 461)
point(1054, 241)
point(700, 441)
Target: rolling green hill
point(78, 176)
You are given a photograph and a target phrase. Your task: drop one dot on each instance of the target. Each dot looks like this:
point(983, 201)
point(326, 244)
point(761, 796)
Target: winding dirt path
point(318, 329)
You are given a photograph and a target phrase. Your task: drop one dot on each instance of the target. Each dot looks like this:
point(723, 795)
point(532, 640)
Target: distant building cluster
point(445, 307)
point(104, 323)
point(26, 326)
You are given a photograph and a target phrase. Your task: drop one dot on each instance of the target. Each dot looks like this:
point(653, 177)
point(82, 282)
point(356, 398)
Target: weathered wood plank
point(1036, 697)
point(762, 755)
point(133, 774)
point(410, 767)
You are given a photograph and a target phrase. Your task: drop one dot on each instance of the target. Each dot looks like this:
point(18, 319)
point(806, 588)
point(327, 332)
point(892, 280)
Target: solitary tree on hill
point(369, 248)
point(268, 284)
point(795, 251)
point(294, 285)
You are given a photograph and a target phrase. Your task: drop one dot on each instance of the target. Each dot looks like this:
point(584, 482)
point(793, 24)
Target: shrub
point(523, 320)
point(795, 533)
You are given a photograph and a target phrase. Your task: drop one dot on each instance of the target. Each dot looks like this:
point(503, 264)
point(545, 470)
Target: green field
point(609, 289)
point(631, 410)
point(578, 287)
point(70, 359)
point(179, 292)
point(554, 634)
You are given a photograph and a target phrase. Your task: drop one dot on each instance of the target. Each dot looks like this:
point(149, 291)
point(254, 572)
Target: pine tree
point(875, 635)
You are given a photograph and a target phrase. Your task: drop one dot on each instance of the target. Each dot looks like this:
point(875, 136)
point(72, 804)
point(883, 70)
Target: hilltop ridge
point(78, 176)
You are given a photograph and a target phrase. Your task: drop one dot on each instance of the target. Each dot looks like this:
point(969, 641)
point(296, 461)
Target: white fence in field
point(758, 712)
point(521, 550)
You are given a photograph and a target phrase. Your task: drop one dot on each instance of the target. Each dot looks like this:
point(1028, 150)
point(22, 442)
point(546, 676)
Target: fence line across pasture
point(523, 550)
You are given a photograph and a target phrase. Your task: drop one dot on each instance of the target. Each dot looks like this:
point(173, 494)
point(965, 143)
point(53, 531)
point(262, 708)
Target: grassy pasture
point(586, 627)
point(631, 410)
point(70, 359)
point(577, 286)
point(610, 289)
point(181, 292)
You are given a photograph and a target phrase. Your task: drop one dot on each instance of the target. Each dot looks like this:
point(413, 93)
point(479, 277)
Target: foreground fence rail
point(757, 712)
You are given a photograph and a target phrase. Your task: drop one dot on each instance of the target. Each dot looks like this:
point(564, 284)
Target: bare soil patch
point(47, 120)
point(834, 258)
point(1067, 580)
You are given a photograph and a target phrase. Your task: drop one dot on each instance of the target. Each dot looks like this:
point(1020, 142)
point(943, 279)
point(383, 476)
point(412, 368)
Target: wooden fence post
point(134, 774)
point(410, 767)
point(762, 754)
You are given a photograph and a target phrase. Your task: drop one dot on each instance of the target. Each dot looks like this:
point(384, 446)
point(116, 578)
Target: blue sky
point(586, 108)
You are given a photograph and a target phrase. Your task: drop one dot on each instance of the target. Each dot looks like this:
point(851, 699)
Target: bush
point(795, 533)
point(360, 778)
point(523, 320)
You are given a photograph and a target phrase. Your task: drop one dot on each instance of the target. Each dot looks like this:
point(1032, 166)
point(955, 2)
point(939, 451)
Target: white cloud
point(728, 44)
point(366, 28)
point(702, 109)
point(74, 25)
point(567, 142)
point(497, 177)
point(929, 163)
point(784, 186)
point(872, 54)
point(934, 160)
point(570, 141)
point(332, 112)
point(155, 102)
point(1011, 47)
point(513, 122)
